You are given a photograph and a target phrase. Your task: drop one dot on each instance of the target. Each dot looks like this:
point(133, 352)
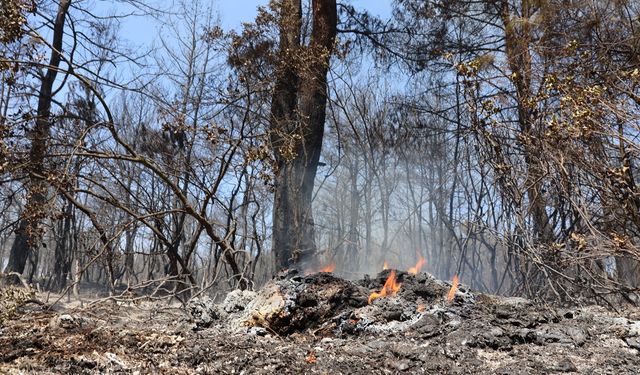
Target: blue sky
point(143, 30)
point(234, 12)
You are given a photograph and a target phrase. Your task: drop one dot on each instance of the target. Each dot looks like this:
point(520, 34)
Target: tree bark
point(297, 127)
point(28, 235)
point(62, 252)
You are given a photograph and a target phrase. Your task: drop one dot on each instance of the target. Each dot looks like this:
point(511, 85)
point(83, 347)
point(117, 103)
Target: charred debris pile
point(411, 304)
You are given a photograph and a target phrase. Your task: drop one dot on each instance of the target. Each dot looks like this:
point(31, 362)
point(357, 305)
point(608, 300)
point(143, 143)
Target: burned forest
point(319, 187)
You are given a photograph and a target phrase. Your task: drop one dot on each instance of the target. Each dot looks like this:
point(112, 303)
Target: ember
point(311, 358)
point(329, 268)
point(415, 269)
point(390, 288)
point(454, 287)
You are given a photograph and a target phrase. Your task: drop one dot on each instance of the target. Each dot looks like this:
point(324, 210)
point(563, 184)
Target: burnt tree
point(297, 125)
point(28, 235)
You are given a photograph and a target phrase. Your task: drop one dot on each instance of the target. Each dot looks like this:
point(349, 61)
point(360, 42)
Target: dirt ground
point(492, 335)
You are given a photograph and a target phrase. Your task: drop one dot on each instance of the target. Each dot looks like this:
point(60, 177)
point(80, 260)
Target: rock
point(633, 342)
point(68, 321)
point(316, 324)
point(237, 300)
point(204, 312)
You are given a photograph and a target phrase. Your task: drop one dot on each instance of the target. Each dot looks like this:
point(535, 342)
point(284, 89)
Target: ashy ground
point(416, 331)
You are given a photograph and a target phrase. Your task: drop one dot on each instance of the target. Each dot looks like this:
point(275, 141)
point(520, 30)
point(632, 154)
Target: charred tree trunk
point(28, 235)
point(297, 126)
point(129, 256)
point(62, 252)
point(283, 106)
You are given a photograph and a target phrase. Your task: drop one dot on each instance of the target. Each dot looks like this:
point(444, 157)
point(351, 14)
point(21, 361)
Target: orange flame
point(415, 269)
point(311, 358)
point(454, 287)
point(329, 268)
point(390, 288)
point(385, 266)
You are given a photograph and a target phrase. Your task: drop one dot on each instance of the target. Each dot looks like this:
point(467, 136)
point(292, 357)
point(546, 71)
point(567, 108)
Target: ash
point(319, 324)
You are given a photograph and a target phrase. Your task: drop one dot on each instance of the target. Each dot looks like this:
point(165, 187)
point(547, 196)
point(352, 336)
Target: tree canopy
point(497, 140)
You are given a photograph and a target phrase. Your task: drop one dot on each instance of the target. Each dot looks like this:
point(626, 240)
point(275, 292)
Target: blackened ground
point(474, 334)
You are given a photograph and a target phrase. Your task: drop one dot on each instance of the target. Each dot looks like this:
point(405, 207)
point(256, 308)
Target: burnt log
point(296, 303)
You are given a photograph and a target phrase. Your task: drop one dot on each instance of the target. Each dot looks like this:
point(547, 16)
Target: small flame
point(329, 268)
point(385, 266)
point(390, 288)
point(415, 269)
point(454, 287)
point(421, 307)
point(311, 358)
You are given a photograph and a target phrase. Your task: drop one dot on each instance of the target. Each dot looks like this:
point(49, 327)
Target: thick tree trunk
point(19, 252)
point(297, 128)
point(293, 232)
point(283, 106)
point(28, 235)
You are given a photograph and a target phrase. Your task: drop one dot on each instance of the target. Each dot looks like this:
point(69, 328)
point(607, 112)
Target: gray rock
point(204, 312)
point(257, 331)
point(68, 321)
point(237, 300)
point(633, 342)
